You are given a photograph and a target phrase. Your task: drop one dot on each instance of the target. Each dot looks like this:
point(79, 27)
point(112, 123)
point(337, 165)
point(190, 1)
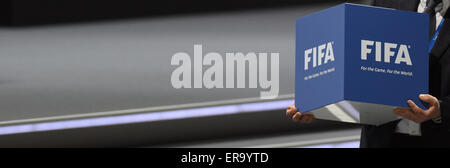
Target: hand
point(418, 115)
point(296, 116)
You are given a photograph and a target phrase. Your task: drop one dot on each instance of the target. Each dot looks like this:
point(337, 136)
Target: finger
point(401, 108)
point(431, 100)
point(407, 113)
point(293, 106)
point(304, 119)
point(427, 98)
point(414, 107)
point(290, 112)
point(297, 117)
point(309, 118)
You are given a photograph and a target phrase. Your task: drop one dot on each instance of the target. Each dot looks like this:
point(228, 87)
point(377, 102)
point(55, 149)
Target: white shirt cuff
point(437, 120)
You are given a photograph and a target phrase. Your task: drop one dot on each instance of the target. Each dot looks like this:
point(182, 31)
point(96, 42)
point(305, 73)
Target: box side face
point(386, 55)
point(319, 73)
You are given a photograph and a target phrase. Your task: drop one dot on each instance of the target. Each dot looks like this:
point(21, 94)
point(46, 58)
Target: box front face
point(386, 59)
point(319, 59)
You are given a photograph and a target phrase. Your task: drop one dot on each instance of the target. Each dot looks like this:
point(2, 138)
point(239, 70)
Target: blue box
point(355, 63)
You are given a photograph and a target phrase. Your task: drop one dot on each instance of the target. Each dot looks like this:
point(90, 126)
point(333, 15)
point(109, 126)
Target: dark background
point(26, 12)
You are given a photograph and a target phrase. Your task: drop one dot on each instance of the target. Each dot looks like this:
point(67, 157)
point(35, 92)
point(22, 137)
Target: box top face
point(344, 6)
point(386, 59)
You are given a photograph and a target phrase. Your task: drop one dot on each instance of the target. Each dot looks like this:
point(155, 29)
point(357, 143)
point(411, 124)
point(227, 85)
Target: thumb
point(427, 98)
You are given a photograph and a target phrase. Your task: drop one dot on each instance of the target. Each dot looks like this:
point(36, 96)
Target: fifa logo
point(388, 50)
point(321, 54)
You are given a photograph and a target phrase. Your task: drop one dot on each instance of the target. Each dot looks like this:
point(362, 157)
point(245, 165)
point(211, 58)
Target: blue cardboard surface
point(379, 56)
point(316, 30)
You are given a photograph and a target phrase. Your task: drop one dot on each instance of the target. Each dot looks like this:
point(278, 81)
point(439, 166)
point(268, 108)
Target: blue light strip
point(146, 117)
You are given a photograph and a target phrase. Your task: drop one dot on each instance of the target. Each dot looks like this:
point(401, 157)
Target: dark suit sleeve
point(409, 5)
point(447, 14)
point(444, 100)
point(440, 72)
point(445, 107)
